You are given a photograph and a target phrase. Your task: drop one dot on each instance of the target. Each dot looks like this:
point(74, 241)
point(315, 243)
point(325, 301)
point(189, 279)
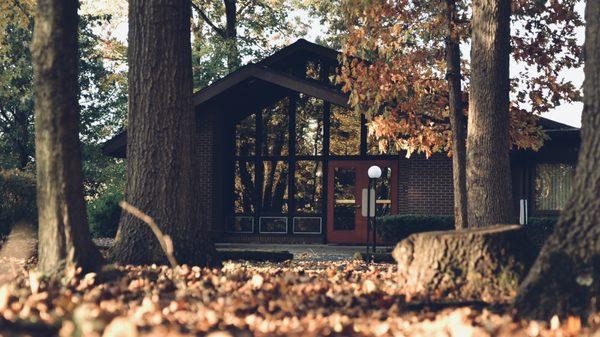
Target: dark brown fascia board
point(279, 78)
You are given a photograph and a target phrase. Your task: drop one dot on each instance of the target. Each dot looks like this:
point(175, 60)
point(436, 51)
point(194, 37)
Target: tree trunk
point(486, 264)
point(457, 119)
point(161, 138)
point(489, 197)
point(233, 53)
point(565, 279)
point(64, 237)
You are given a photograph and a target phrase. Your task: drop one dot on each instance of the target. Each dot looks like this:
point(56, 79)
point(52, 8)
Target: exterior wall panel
point(425, 185)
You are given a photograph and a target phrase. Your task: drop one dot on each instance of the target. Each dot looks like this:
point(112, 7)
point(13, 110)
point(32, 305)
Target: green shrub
point(539, 228)
point(17, 199)
point(395, 228)
point(104, 213)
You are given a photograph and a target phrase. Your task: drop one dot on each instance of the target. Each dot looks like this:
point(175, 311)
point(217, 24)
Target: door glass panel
point(383, 192)
point(344, 180)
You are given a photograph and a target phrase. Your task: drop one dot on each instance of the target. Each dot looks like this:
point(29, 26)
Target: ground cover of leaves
point(293, 298)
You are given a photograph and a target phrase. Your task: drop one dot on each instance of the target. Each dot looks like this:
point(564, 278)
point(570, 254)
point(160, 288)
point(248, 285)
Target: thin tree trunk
point(64, 237)
point(489, 197)
point(161, 138)
point(565, 279)
point(233, 55)
point(457, 119)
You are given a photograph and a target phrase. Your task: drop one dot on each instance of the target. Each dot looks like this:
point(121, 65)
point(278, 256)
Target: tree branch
point(207, 20)
point(164, 240)
point(243, 7)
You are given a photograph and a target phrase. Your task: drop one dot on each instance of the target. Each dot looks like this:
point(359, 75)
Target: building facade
point(283, 158)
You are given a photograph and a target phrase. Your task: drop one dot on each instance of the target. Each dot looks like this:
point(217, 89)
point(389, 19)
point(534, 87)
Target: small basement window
point(553, 185)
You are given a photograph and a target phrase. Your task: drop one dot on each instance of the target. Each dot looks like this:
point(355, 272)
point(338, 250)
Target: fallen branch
point(165, 241)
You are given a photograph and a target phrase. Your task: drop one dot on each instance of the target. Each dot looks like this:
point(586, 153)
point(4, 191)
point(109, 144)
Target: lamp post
point(374, 173)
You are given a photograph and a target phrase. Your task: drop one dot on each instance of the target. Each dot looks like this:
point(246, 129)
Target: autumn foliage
point(395, 72)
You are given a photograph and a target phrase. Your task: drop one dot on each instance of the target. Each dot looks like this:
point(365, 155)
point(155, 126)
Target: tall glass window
point(278, 183)
point(344, 132)
point(275, 187)
point(309, 126)
point(275, 135)
point(245, 136)
point(553, 185)
point(244, 188)
point(309, 186)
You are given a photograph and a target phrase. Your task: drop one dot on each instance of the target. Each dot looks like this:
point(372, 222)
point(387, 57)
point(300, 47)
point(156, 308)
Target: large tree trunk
point(486, 264)
point(489, 197)
point(457, 118)
point(161, 138)
point(565, 279)
point(64, 237)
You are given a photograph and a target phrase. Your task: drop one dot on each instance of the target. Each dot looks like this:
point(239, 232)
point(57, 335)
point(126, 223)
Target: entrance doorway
point(347, 179)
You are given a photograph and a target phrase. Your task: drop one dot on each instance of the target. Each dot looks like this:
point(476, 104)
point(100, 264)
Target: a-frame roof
point(268, 71)
point(265, 71)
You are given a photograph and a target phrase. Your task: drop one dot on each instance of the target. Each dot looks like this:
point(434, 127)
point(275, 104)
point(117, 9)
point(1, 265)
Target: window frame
point(532, 199)
point(291, 158)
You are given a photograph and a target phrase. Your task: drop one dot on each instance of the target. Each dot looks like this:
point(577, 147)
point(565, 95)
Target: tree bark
point(64, 237)
point(457, 119)
point(486, 264)
point(565, 279)
point(161, 138)
point(489, 197)
point(233, 55)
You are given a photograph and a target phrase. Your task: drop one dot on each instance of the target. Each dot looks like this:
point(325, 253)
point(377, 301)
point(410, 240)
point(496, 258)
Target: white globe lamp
point(374, 172)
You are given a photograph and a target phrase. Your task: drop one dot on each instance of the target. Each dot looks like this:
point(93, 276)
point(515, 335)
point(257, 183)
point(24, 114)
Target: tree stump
point(483, 264)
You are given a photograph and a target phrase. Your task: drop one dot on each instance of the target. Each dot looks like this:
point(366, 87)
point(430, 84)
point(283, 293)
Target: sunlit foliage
point(395, 72)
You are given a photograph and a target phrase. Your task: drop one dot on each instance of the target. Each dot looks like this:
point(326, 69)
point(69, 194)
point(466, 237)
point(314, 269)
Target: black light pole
point(368, 214)
point(374, 173)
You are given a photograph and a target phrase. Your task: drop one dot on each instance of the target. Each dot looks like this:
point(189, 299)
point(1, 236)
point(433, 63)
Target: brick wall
point(206, 123)
point(425, 185)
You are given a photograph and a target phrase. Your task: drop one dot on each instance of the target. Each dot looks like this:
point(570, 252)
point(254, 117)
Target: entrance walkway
point(306, 252)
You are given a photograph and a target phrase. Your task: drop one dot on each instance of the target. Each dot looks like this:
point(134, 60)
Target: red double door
point(347, 185)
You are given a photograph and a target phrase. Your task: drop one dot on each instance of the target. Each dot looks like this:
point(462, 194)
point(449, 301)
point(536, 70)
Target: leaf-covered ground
point(241, 299)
